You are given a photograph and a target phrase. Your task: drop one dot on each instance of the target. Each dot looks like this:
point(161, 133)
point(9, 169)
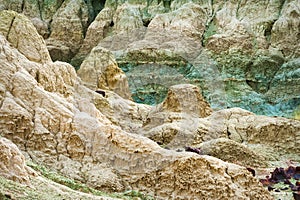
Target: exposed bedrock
point(51, 116)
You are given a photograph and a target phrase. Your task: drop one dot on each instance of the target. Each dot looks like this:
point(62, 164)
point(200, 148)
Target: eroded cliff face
point(189, 59)
point(51, 116)
point(233, 50)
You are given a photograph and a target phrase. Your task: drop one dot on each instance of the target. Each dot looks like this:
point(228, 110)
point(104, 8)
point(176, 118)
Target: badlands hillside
point(149, 99)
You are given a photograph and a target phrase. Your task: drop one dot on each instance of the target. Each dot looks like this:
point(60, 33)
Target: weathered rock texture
point(67, 27)
point(242, 45)
point(174, 121)
point(100, 71)
point(235, 54)
point(21, 34)
point(285, 30)
point(12, 165)
point(62, 22)
point(185, 99)
point(245, 130)
point(233, 152)
point(50, 115)
point(98, 30)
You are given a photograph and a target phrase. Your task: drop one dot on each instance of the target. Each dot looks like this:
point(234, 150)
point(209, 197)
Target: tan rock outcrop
point(238, 26)
point(12, 163)
point(228, 134)
point(22, 35)
point(176, 33)
point(175, 121)
point(127, 17)
point(274, 138)
point(279, 133)
point(170, 38)
point(228, 32)
point(97, 31)
point(63, 129)
point(129, 115)
point(201, 172)
point(185, 98)
point(100, 71)
point(67, 30)
point(285, 31)
point(233, 152)
point(43, 10)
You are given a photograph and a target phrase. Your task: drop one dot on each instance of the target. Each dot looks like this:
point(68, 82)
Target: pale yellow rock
point(233, 152)
point(177, 31)
point(170, 38)
point(183, 19)
point(185, 98)
point(175, 122)
point(100, 71)
point(241, 131)
point(194, 170)
point(240, 27)
point(285, 32)
point(274, 138)
point(69, 134)
point(67, 30)
point(12, 163)
point(280, 133)
point(127, 114)
point(127, 18)
point(97, 30)
point(22, 35)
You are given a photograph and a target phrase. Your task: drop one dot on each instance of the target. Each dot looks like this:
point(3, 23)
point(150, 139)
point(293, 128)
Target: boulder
point(175, 121)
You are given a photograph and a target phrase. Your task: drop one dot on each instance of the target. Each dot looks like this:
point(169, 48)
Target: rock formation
point(244, 44)
point(67, 27)
point(190, 61)
point(230, 39)
point(98, 30)
point(50, 115)
point(100, 71)
point(234, 152)
point(20, 32)
point(12, 164)
point(185, 99)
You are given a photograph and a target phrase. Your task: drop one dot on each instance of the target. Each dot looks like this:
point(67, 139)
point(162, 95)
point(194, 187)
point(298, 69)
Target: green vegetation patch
point(78, 186)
